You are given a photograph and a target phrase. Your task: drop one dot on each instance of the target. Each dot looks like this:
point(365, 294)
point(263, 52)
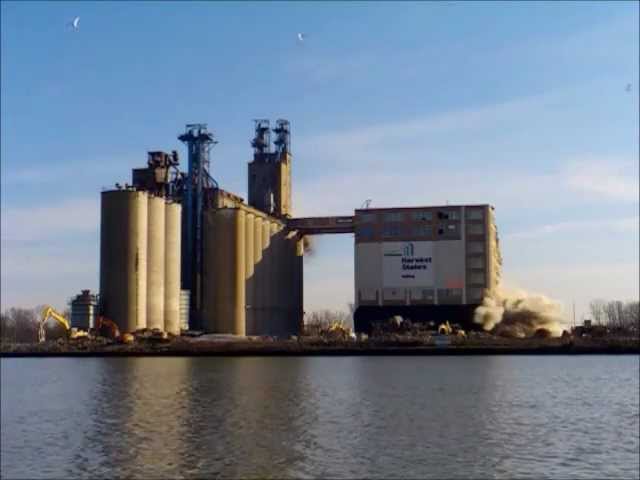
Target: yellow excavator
point(49, 312)
point(336, 331)
point(104, 326)
point(446, 329)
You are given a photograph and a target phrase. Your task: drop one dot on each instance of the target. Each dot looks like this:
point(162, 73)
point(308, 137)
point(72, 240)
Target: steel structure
point(195, 186)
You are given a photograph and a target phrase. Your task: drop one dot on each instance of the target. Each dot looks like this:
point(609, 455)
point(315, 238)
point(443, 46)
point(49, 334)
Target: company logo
point(408, 249)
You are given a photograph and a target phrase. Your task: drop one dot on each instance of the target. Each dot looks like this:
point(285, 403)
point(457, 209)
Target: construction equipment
point(104, 324)
point(50, 312)
point(336, 331)
point(447, 329)
point(444, 328)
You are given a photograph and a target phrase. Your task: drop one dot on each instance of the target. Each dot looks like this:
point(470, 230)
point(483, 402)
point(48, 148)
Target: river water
point(329, 417)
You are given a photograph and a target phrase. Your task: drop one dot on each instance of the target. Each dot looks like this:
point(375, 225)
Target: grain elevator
point(178, 252)
point(174, 245)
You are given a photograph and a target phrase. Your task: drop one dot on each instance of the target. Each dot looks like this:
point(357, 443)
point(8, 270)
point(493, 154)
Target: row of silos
point(252, 275)
point(140, 261)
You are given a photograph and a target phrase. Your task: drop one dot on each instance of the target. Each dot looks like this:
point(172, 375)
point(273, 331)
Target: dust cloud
point(519, 314)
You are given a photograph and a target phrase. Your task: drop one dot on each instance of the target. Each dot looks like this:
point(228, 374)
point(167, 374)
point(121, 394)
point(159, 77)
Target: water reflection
point(380, 417)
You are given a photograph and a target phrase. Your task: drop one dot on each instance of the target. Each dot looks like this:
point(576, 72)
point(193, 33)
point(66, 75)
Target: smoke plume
point(519, 314)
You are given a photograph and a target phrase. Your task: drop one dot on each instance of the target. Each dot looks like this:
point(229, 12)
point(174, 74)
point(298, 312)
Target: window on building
point(476, 278)
point(421, 216)
point(475, 262)
point(427, 295)
point(393, 217)
point(475, 229)
point(391, 230)
point(474, 294)
point(453, 215)
point(450, 292)
point(422, 230)
point(452, 228)
point(475, 214)
point(443, 215)
point(475, 247)
point(365, 231)
point(367, 218)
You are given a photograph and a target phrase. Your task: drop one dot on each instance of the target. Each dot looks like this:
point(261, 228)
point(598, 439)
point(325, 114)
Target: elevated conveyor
point(321, 225)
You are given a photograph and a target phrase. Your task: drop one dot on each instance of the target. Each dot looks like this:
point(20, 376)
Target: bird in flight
point(75, 23)
point(301, 37)
point(628, 87)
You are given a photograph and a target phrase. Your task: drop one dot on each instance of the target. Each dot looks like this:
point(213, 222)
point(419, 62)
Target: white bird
point(75, 24)
point(301, 37)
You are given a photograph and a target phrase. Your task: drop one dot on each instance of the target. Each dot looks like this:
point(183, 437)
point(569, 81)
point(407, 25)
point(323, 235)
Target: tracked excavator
point(446, 329)
point(49, 312)
point(104, 326)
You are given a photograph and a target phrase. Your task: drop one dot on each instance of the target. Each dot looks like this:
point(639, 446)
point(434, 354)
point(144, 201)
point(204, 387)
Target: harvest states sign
point(407, 264)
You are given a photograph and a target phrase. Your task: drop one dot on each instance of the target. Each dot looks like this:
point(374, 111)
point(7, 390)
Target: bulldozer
point(49, 312)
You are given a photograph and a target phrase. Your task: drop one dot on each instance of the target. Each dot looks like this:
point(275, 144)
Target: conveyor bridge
point(320, 225)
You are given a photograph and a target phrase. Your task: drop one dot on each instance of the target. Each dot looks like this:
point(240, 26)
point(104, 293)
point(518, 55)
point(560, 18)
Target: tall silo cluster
point(140, 260)
point(208, 262)
point(252, 275)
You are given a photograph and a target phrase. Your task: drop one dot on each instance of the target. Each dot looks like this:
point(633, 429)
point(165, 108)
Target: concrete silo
point(156, 263)
point(248, 267)
point(224, 271)
point(263, 279)
point(123, 258)
point(254, 298)
point(210, 297)
point(172, 226)
point(273, 281)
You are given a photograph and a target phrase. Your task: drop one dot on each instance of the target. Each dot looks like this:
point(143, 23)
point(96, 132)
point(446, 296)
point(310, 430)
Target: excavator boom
point(49, 312)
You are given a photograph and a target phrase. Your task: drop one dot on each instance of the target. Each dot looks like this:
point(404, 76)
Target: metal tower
point(199, 142)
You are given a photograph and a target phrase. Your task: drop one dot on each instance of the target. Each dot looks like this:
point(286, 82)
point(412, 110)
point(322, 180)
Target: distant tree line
point(20, 325)
point(320, 319)
point(616, 315)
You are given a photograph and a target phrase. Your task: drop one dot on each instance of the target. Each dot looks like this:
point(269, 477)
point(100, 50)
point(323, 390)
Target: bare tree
point(7, 328)
point(596, 308)
point(617, 315)
point(631, 316)
point(25, 323)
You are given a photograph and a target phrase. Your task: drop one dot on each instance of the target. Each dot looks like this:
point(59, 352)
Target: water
point(373, 417)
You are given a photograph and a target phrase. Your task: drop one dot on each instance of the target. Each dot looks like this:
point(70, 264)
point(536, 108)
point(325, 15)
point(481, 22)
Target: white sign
point(407, 264)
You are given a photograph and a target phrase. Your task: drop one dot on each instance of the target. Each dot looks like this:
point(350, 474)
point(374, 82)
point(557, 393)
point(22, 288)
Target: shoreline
point(295, 349)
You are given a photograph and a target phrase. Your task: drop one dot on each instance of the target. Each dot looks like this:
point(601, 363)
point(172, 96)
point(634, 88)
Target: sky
point(521, 105)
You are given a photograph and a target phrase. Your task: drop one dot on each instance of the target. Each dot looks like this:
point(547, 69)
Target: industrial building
point(424, 263)
point(178, 252)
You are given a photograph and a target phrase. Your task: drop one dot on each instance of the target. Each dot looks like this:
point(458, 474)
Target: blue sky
point(521, 105)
